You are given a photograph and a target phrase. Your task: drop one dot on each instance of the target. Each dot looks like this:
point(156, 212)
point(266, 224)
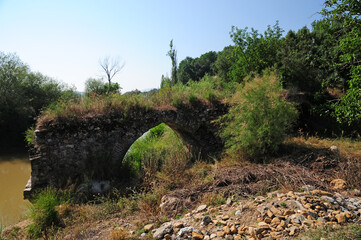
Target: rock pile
point(276, 216)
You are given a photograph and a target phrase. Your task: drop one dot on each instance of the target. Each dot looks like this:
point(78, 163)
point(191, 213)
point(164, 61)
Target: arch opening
point(159, 150)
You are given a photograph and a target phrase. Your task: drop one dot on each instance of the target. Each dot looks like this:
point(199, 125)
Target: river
point(14, 174)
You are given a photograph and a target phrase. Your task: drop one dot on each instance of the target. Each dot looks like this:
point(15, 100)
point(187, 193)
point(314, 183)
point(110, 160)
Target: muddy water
point(14, 174)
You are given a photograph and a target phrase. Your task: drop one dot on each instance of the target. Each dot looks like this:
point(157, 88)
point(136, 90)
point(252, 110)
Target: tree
point(186, 70)
point(23, 94)
point(111, 67)
point(196, 68)
point(253, 51)
point(224, 61)
point(172, 53)
point(205, 65)
point(348, 12)
point(99, 87)
point(165, 82)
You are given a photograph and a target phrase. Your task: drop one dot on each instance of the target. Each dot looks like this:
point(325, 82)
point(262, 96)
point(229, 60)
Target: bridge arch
point(64, 150)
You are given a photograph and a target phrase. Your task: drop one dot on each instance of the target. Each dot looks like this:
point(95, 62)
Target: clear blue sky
point(65, 39)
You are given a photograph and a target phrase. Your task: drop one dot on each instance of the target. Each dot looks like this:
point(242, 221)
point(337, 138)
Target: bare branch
point(111, 67)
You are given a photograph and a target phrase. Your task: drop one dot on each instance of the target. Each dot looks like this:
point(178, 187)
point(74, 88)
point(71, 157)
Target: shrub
point(30, 136)
point(177, 102)
point(43, 213)
point(259, 118)
point(192, 99)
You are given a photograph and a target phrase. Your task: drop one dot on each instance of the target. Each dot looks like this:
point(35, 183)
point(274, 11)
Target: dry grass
point(345, 163)
point(345, 145)
point(336, 232)
point(97, 106)
point(119, 234)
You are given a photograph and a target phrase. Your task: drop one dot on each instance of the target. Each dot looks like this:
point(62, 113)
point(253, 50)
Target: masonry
point(65, 150)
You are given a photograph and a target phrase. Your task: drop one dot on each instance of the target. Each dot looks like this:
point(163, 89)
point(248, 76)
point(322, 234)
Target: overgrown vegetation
point(158, 150)
point(274, 84)
point(43, 213)
point(23, 94)
point(258, 121)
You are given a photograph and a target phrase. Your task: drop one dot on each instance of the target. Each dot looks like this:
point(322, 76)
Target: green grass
point(1, 231)
point(347, 232)
point(155, 152)
point(43, 213)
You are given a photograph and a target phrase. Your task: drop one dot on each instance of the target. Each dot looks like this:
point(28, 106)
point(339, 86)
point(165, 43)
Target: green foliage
point(177, 102)
point(98, 86)
point(308, 58)
point(150, 152)
point(30, 136)
point(348, 110)
point(195, 69)
point(254, 52)
point(93, 85)
point(186, 71)
point(172, 53)
point(224, 62)
point(259, 118)
point(282, 204)
point(192, 99)
point(23, 94)
point(347, 12)
point(165, 82)
point(1, 231)
point(43, 213)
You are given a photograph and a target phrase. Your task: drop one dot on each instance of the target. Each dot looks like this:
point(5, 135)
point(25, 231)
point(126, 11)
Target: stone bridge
point(68, 152)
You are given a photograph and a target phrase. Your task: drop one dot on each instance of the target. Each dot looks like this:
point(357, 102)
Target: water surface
point(14, 174)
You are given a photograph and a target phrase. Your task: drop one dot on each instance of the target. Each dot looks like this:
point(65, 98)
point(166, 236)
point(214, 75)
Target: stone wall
point(68, 151)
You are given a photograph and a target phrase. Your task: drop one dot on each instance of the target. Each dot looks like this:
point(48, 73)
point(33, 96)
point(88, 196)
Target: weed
point(163, 219)
point(140, 231)
point(43, 213)
point(119, 234)
point(128, 205)
point(1, 231)
point(30, 136)
point(282, 204)
point(214, 199)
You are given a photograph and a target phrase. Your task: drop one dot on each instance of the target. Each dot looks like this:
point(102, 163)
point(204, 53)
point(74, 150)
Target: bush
point(257, 122)
point(43, 213)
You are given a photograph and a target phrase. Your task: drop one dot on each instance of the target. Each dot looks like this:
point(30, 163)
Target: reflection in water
point(14, 174)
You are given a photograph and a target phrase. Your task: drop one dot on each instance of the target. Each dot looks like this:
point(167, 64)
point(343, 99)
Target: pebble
point(303, 210)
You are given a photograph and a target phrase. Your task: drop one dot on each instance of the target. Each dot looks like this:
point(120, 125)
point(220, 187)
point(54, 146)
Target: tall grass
point(43, 212)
